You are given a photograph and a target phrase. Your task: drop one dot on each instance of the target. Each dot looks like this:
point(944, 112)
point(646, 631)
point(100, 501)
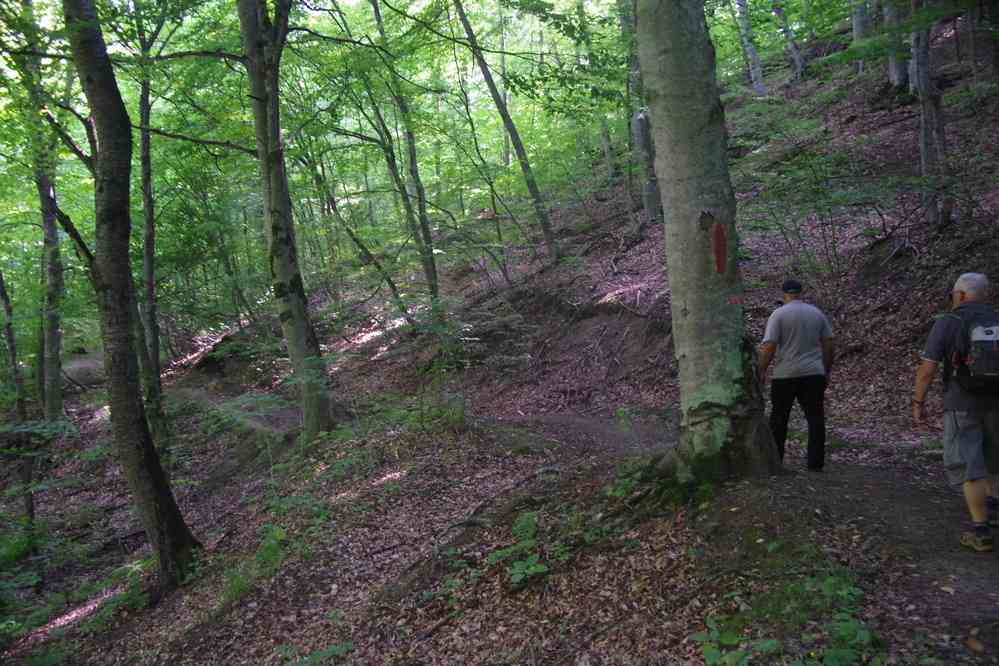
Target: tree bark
point(153, 383)
point(511, 128)
point(25, 466)
point(898, 61)
point(52, 405)
point(741, 13)
point(723, 431)
point(860, 24)
point(793, 50)
point(263, 42)
point(859, 19)
point(330, 209)
point(427, 246)
point(505, 92)
point(111, 275)
point(932, 139)
point(43, 150)
point(641, 128)
point(606, 146)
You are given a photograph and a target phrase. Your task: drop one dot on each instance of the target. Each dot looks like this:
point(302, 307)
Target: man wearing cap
point(800, 337)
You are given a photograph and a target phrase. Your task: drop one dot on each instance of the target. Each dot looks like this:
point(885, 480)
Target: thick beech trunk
point(111, 275)
point(518, 146)
point(723, 431)
point(263, 42)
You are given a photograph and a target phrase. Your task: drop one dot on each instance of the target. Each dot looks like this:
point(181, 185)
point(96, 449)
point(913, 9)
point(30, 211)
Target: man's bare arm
point(828, 354)
point(767, 351)
point(924, 377)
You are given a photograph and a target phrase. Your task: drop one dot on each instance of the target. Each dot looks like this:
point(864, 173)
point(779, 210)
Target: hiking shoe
point(992, 504)
point(977, 541)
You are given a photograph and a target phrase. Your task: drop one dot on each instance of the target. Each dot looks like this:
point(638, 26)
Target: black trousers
point(810, 393)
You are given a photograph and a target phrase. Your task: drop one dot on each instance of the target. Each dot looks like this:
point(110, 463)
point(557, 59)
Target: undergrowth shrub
point(265, 562)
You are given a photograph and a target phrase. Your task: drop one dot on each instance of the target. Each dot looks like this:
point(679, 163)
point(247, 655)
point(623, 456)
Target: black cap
point(791, 287)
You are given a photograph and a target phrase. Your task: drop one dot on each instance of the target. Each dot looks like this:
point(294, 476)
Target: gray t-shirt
point(798, 329)
point(940, 348)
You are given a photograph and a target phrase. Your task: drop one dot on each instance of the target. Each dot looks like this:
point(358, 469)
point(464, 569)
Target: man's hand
point(924, 377)
point(767, 351)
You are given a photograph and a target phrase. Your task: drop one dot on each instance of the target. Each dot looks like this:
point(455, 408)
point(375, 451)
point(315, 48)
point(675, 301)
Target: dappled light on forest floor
point(64, 621)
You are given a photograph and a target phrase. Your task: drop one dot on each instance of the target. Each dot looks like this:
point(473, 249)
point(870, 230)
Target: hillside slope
point(484, 506)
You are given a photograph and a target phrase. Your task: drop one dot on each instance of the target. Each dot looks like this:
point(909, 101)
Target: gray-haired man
point(971, 413)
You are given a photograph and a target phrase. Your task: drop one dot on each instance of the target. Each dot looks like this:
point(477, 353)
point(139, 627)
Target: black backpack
point(976, 352)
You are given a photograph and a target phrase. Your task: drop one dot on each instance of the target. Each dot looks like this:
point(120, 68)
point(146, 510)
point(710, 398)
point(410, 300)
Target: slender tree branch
point(82, 249)
point(217, 55)
point(38, 54)
point(338, 40)
point(203, 142)
point(69, 142)
point(88, 126)
point(525, 55)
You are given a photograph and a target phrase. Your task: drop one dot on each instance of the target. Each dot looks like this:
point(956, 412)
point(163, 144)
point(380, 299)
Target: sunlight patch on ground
point(619, 295)
point(72, 617)
point(345, 496)
point(392, 476)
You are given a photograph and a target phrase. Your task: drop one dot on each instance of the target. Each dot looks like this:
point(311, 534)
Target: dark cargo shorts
point(971, 446)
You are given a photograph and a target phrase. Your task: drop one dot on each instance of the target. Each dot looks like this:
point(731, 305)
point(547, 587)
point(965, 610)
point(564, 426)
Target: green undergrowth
point(784, 600)
point(542, 534)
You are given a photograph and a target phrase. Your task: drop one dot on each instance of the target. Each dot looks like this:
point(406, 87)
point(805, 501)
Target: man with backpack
point(966, 342)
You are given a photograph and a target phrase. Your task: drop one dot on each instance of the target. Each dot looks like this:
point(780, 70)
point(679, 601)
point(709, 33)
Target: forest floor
point(490, 510)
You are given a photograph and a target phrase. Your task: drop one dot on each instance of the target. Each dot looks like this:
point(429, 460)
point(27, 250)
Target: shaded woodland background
point(498, 353)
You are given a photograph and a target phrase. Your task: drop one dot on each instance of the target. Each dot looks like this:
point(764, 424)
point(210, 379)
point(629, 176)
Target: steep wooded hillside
point(484, 502)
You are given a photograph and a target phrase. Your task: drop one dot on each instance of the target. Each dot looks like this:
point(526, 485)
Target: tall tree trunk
point(860, 24)
point(742, 19)
point(505, 92)
point(26, 466)
point(409, 213)
point(898, 61)
point(859, 19)
point(606, 146)
point(329, 209)
point(793, 50)
point(153, 384)
point(932, 142)
point(52, 405)
point(427, 247)
point(723, 431)
point(990, 16)
point(518, 146)
point(641, 128)
point(263, 42)
point(43, 155)
point(111, 275)
point(633, 85)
